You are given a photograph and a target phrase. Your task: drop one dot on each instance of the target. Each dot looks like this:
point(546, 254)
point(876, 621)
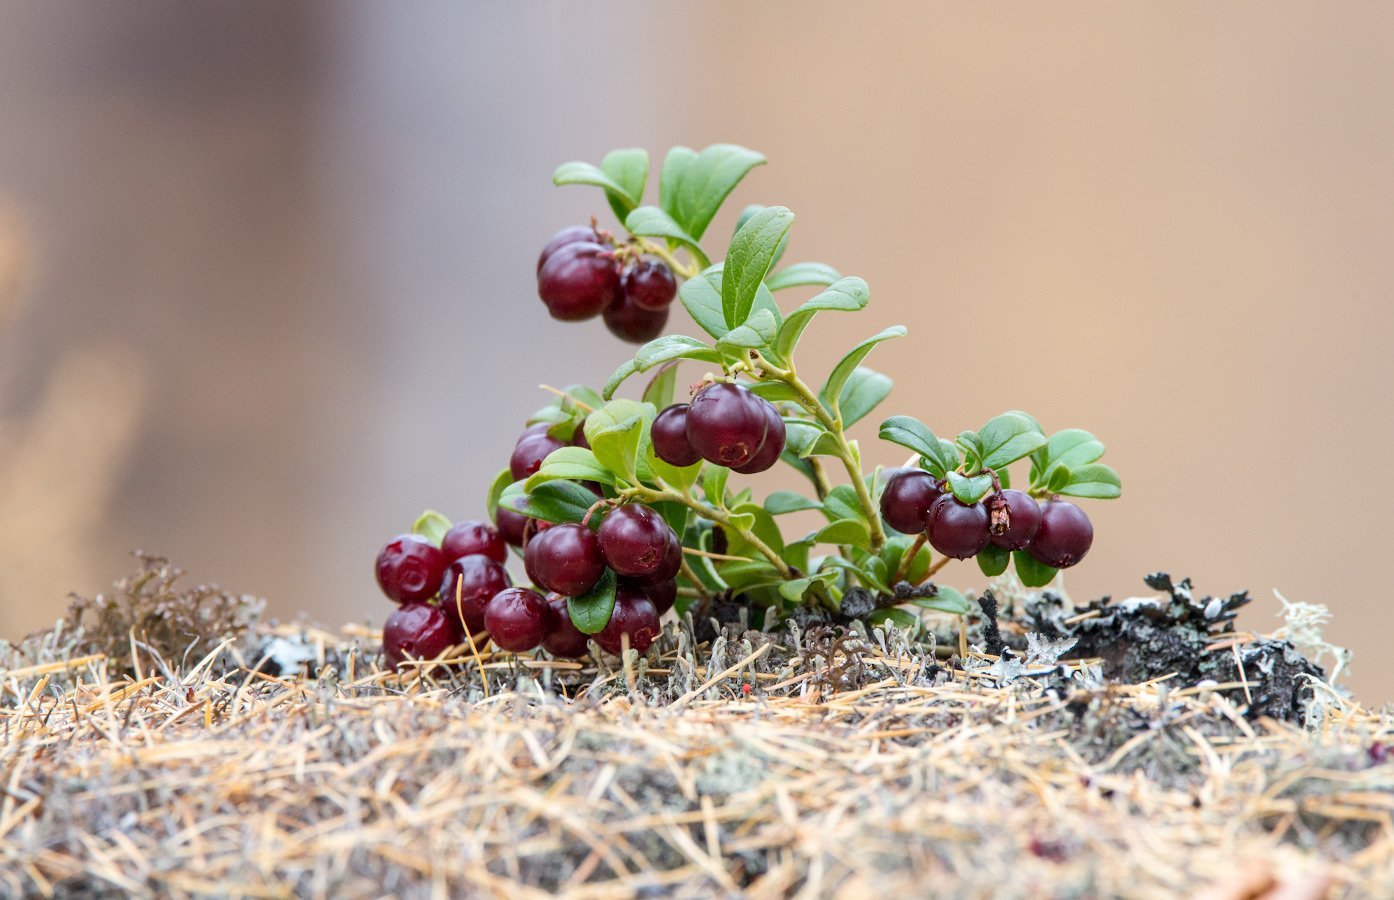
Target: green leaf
point(590, 612)
point(618, 377)
point(614, 432)
point(761, 524)
point(1009, 437)
point(970, 488)
point(755, 334)
point(805, 439)
point(1033, 574)
point(781, 502)
point(650, 221)
point(863, 392)
point(629, 169)
point(748, 260)
point(701, 296)
point(693, 186)
point(574, 463)
point(832, 390)
point(903, 619)
point(432, 526)
point(1060, 476)
point(842, 503)
point(937, 456)
point(1071, 447)
point(798, 588)
point(671, 347)
point(774, 391)
point(843, 531)
point(585, 173)
point(1094, 480)
point(844, 295)
point(663, 386)
point(502, 480)
point(552, 501)
point(714, 484)
point(993, 560)
point(800, 274)
point(749, 573)
point(972, 446)
point(947, 600)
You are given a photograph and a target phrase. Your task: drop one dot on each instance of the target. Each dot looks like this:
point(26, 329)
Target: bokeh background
point(266, 270)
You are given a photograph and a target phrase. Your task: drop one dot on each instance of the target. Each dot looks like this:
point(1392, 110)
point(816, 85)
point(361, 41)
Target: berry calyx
point(517, 619)
point(769, 451)
point(417, 631)
point(565, 559)
point(469, 583)
point(669, 435)
point(631, 322)
point(468, 538)
point(726, 424)
point(634, 540)
point(649, 284)
point(409, 568)
point(634, 616)
point(572, 234)
point(1064, 537)
point(563, 638)
point(578, 281)
point(672, 562)
point(956, 529)
point(530, 450)
point(906, 499)
point(1013, 518)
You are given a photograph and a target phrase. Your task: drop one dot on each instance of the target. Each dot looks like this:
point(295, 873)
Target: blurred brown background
point(277, 279)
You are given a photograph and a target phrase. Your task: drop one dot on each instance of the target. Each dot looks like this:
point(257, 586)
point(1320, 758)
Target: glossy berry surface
point(532, 448)
point(409, 568)
point(726, 424)
point(634, 616)
point(1023, 518)
point(518, 619)
point(417, 631)
point(563, 638)
point(669, 434)
point(470, 538)
point(578, 281)
point(469, 583)
point(565, 559)
point(907, 498)
point(663, 594)
point(631, 322)
point(672, 561)
point(511, 525)
point(955, 529)
point(634, 540)
point(649, 284)
point(1065, 535)
point(572, 234)
point(769, 451)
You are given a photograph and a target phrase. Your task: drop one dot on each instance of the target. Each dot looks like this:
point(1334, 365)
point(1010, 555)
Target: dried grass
point(743, 770)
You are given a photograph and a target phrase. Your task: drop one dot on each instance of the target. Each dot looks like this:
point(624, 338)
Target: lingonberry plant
point(625, 508)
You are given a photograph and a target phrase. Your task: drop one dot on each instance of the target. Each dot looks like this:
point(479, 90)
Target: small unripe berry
point(955, 529)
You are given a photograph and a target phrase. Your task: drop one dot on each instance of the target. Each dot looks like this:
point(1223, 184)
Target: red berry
point(469, 538)
point(672, 562)
point(572, 234)
point(564, 639)
point(907, 498)
point(726, 424)
point(578, 281)
point(663, 594)
point(631, 322)
point(417, 631)
point(1065, 535)
point(1023, 518)
point(634, 615)
point(565, 559)
point(649, 284)
point(518, 619)
point(669, 434)
point(955, 529)
point(409, 568)
point(532, 448)
point(511, 525)
point(467, 587)
point(634, 540)
point(769, 451)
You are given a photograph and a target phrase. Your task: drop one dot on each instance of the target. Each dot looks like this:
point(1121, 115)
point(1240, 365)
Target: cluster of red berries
point(579, 276)
point(1056, 532)
point(724, 424)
